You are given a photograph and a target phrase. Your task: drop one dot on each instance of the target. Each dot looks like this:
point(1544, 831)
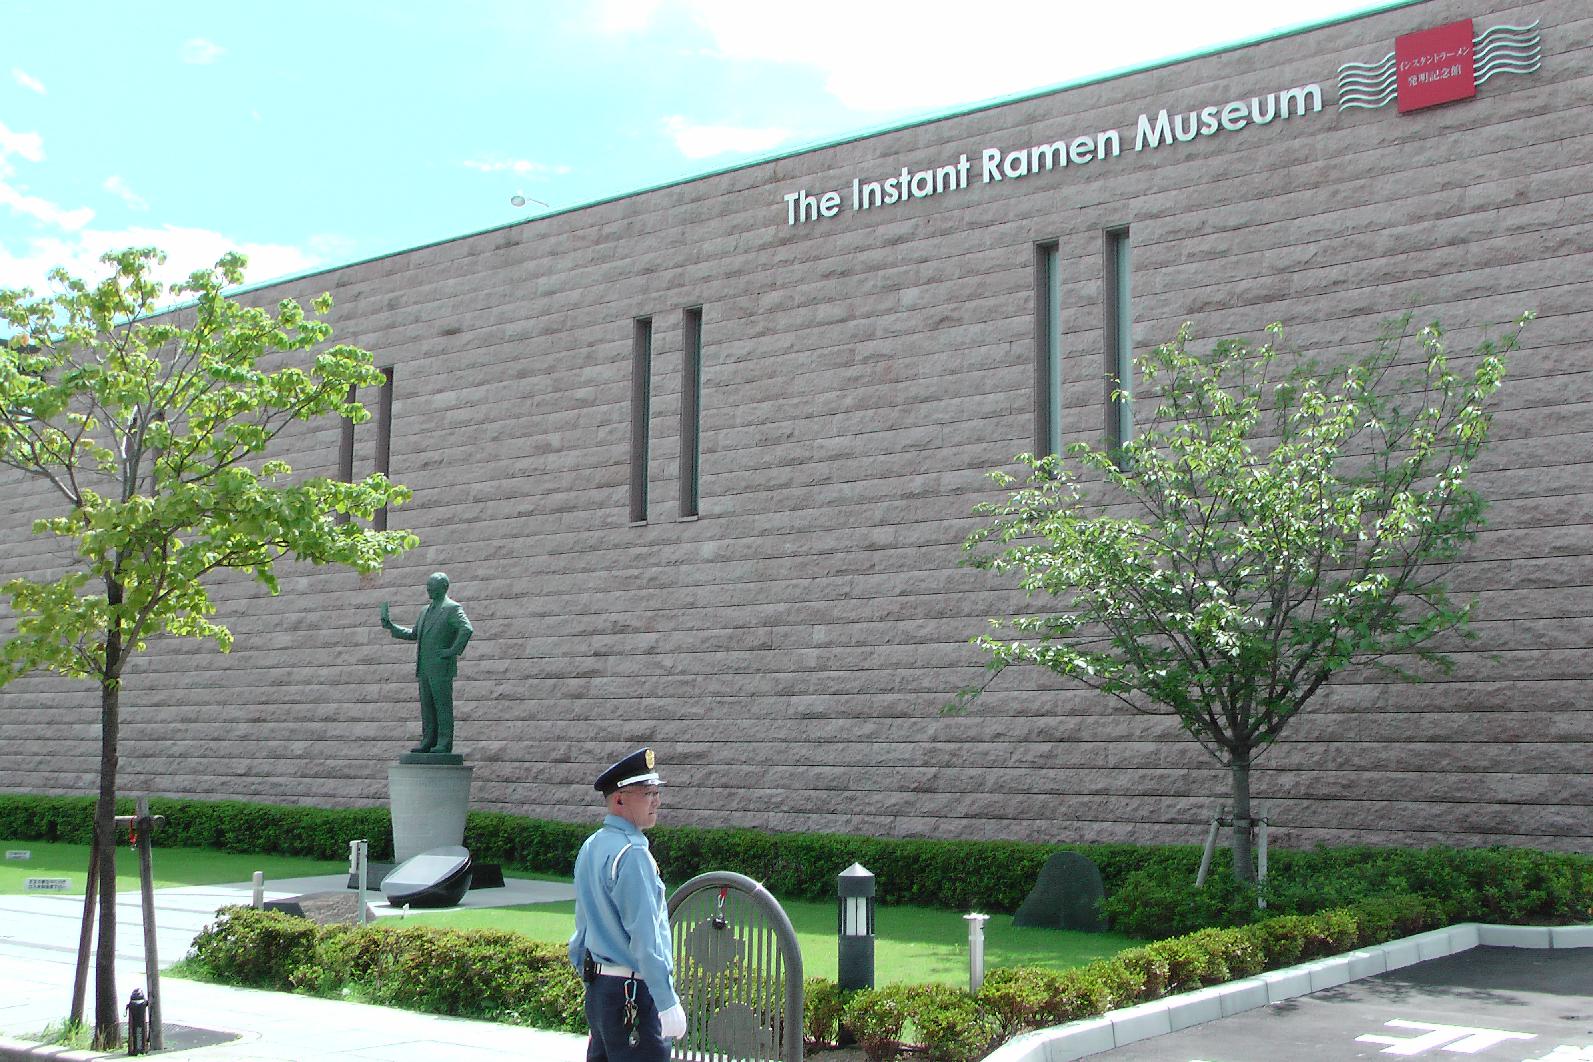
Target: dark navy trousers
point(605, 1013)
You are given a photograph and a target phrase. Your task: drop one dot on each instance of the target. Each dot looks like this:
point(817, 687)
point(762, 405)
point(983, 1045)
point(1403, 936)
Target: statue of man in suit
point(440, 635)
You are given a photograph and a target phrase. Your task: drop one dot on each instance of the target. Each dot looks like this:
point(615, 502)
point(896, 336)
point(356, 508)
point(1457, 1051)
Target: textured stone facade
point(788, 652)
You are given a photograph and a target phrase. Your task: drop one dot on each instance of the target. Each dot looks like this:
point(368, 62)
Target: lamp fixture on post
point(855, 928)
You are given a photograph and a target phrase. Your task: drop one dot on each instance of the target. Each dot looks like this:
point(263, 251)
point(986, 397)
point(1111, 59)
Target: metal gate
point(738, 970)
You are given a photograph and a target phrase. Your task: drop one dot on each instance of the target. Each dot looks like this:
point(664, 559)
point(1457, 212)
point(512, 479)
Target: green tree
point(1277, 522)
point(151, 425)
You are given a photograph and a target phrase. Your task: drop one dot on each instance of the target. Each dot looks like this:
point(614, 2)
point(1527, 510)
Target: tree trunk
point(107, 1013)
point(1243, 869)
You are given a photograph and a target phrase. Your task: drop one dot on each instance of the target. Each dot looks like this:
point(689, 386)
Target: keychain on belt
point(633, 1033)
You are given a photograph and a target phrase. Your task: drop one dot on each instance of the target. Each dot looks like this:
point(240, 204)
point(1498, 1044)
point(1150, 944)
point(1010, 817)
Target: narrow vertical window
point(384, 439)
point(345, 453)
point(641, 413)
point(1119, 339)
point(690, 408)
point(1047, 350)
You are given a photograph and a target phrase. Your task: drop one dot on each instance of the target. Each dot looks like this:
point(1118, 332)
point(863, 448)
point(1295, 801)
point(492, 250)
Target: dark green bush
point(1150, 890)
point(1282, 939)
point(478, 973)
point(950, 1025)
point(1022, 997)
point(1151, 969)
point(1390, 917)
point(823, 1008)
point(1333, 933)
point(1456, 885)
point(1320, 903)
point(1163, 901)
point(261, 949)
point(1095, 989)
point(485, 974)
point(1026, 997)
point(876, 1017)
point(937, 1021)
point(222, 825)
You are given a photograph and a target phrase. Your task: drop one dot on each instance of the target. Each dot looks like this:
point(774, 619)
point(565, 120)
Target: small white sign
point(46, 884)
point(18, 853)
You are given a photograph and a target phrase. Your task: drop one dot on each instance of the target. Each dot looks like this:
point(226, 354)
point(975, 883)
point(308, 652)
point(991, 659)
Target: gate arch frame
point(790, 950)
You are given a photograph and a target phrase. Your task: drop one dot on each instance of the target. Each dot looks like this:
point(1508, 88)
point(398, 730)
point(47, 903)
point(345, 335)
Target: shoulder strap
point(613, 866)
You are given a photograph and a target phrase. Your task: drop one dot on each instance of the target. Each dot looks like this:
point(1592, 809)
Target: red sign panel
point(1435, 66)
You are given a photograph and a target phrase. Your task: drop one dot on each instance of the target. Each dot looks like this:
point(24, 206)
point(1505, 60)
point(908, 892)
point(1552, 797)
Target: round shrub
point(876, 1016)
point(260, 949)
point(942, 1023)
point(1022, 997)
point(823, 1008)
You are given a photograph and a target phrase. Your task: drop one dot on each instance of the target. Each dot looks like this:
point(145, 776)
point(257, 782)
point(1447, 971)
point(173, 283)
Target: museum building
point(700, 460)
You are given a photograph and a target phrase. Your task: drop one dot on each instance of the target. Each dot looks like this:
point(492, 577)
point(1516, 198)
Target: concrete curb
point(1121, 1027)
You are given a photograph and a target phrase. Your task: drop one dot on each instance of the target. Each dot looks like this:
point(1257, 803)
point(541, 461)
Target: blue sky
point(314, 134)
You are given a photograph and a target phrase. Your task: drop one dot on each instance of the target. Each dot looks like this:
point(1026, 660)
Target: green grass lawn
point(913, 944)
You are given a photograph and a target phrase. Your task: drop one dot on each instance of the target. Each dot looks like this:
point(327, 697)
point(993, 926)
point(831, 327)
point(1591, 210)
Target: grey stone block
point(1571, 936)
point(1494, 936)
point(1132, 1024)
point(1236, 997)
point(1195, 1008)
point(1287, 983)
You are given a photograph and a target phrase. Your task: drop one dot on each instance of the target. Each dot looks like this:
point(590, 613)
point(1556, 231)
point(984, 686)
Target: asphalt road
point(1495, 1004)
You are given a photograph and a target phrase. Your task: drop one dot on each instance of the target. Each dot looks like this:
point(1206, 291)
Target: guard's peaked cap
point(639, 768)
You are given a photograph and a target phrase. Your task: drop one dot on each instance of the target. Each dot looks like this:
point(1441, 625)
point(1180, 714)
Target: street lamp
point(855, 926)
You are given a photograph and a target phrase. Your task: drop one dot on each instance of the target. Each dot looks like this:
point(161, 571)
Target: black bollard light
point(137, 1024)
point(855, 925)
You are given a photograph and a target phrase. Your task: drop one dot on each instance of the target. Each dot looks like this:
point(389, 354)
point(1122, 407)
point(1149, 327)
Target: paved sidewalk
point(38, 949)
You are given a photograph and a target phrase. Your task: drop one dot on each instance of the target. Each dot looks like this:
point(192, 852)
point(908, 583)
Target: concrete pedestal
point(428, 803)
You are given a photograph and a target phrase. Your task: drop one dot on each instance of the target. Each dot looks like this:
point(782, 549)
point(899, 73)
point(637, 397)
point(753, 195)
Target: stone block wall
point(788, 652)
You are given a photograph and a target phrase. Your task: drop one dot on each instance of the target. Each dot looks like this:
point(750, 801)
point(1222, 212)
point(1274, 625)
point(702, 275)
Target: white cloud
point(27, 81)
point(200, 52)
point(186, 250)
point(625, 16)
point(704, 141)
point(118, 187)
point(65, 239)
point(874, 58)
point(29, 145)
point(44, 211)
point(520, 166)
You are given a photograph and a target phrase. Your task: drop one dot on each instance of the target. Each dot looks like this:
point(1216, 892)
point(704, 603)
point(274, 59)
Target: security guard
point(621, 943)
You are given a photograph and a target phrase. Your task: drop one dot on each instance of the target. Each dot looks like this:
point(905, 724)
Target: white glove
point(672, 1022)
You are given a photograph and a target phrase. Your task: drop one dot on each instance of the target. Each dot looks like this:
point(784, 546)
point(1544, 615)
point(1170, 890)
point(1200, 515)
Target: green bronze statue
point(440, 634)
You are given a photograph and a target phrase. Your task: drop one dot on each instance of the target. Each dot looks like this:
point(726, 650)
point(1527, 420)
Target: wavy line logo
point(1369, 85)
point(1440, 65)
point(1509, 50)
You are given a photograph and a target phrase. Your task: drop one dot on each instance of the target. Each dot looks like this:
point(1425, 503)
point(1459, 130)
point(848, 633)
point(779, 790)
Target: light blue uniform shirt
point(620, 913)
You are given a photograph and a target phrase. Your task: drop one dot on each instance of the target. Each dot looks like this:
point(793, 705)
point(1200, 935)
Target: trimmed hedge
point(221, 825)
point(477, 973)
point(505, 977)
point(1149, 889)
point(1497, 885)
point(1320, 903)
point(946, 1024)
point(961, 875)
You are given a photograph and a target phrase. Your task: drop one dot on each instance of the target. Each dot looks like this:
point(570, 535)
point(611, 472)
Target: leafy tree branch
point(1276, 522)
